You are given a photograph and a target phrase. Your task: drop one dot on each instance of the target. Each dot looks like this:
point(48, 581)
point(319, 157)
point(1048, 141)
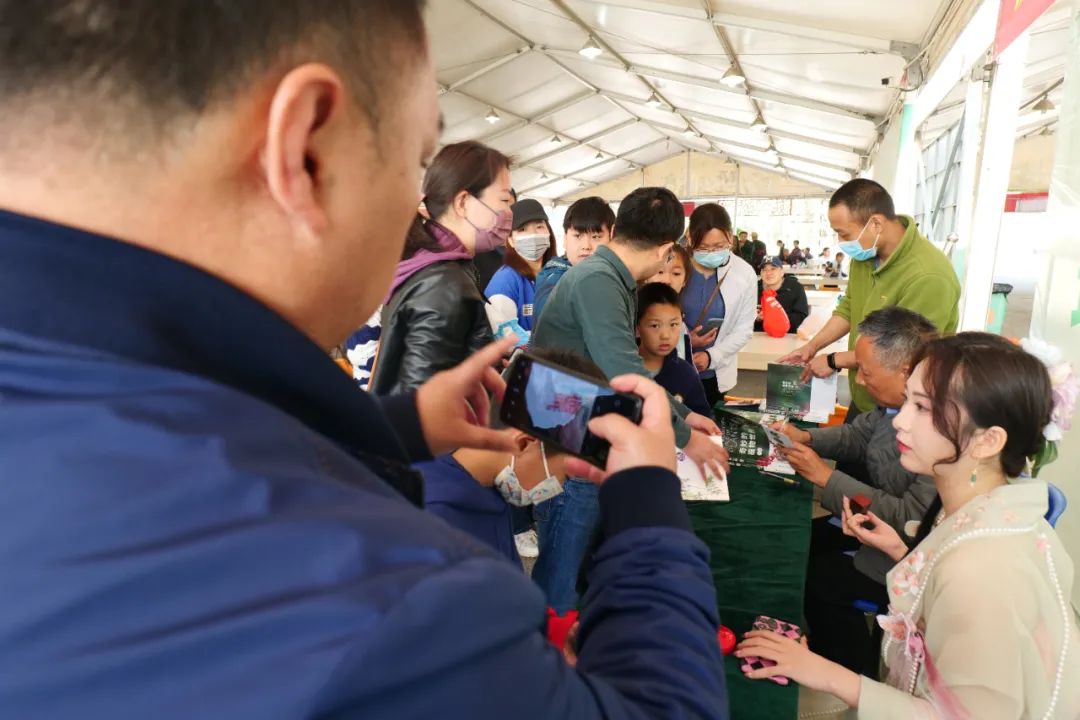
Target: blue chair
point(1057, 504)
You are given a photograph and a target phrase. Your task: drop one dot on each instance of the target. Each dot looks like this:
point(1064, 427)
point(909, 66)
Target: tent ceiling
point(813, 80)
point(1044, 76)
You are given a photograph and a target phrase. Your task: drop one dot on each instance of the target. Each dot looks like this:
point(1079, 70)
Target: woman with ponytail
point(979, 625)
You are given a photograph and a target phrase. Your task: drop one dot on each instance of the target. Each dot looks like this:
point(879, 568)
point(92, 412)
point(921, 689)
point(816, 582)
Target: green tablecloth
point(759, 543)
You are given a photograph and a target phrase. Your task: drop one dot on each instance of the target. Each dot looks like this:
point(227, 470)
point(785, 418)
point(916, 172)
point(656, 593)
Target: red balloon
point(727, 640)
point(774, 318)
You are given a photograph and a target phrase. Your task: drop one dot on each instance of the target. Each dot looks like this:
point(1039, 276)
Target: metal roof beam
point(578, 143)
point(489, 68)
point(798, 30)
point(539, 117)
point(571, 176)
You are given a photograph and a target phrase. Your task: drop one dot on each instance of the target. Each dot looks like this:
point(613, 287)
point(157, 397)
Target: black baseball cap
point(525, 211)
point(775, 261)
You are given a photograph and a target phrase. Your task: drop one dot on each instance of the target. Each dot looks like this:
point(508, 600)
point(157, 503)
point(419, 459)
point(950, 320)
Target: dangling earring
point(974, 476)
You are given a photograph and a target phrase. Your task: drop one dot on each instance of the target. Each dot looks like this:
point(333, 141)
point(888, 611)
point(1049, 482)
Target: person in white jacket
point(719, 301)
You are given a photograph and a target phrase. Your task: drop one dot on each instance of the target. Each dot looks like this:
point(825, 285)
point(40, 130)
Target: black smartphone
point(555, 405)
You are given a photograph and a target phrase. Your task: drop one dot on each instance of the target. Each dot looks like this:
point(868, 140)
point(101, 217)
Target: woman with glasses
point(719, 301)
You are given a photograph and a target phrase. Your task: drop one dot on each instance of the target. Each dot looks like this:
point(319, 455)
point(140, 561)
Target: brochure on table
point(695, 486)
point(747, 445)
point(788, 396)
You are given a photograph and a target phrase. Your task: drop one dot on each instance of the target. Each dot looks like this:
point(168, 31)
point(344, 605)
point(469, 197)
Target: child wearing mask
point(476, 490)
point(510, 292)
point(659, 330)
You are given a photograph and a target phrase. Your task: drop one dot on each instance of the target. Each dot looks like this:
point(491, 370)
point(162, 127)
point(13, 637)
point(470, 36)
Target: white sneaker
point(528, 545)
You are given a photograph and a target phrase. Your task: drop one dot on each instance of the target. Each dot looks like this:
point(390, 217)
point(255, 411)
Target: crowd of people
point(202, 516)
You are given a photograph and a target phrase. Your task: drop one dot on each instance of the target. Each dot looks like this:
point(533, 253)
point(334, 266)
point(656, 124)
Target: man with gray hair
point(888, 341)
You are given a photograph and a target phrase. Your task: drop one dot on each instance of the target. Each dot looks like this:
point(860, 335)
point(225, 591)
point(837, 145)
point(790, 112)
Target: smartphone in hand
point(555, 404)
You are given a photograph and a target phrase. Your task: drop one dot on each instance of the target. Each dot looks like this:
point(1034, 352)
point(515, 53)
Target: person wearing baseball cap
point(511, 290)
point(789, 292)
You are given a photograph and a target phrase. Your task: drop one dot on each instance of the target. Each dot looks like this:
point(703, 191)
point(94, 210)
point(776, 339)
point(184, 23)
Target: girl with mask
point(435, 314)
point(719, 300)
point(511, 290)
point(978, 623)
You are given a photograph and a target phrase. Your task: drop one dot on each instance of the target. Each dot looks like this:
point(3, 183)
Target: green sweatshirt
point(592, 311)
point(917, 276)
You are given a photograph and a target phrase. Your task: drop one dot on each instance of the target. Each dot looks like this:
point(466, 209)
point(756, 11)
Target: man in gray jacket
point(836, 581)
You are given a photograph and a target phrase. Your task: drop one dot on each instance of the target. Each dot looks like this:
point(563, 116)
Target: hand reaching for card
point(870, 530)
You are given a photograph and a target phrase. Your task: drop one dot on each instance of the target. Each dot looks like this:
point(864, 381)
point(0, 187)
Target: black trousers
point(712, 391)
point(835, 629)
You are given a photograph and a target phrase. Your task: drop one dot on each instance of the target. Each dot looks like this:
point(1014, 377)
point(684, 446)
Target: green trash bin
point(999, 303)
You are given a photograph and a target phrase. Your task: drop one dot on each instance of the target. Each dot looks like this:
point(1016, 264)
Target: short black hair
point(648, 218)
point(589, 215)
point(655, 293)
point(864, 198)
point(162, 60)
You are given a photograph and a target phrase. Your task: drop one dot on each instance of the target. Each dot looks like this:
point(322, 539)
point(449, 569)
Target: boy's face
point(660, 329)
point(580, 245)
point(673, 274)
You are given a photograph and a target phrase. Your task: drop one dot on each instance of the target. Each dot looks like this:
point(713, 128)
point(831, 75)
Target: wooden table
point(762, 350)
point(820, 281)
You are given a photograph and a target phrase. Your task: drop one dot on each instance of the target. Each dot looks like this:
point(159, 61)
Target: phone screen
point(555, 405)
point(712, 324)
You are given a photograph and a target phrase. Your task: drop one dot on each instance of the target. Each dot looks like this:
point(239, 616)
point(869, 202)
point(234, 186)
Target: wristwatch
point(831, 359)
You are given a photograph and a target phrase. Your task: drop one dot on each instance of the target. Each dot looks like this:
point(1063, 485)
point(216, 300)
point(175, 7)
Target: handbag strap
point(709, 302)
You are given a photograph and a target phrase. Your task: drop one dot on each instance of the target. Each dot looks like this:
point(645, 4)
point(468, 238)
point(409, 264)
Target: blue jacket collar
point(69, 286)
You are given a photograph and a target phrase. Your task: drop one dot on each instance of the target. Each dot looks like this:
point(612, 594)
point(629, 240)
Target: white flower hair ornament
point(1065, 386)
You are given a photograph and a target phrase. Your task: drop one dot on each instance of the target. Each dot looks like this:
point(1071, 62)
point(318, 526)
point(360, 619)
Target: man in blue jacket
point(200, 515)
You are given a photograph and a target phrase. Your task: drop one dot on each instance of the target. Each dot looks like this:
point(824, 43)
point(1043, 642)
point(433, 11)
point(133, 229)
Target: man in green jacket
point(592, 311)
point(892, 263)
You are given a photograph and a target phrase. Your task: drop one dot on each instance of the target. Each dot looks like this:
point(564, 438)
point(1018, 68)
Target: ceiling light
point(543, 176)
point(732, 77)
point(591, 50)
point(599, 156)
point(1046, 131)
point(1044, 106)
point(654, 102)
point(556, 139)
point(492, 116)
point(581, 184)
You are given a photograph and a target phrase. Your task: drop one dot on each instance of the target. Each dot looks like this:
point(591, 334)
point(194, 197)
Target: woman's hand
point(794, 660)
point(701, 339)
point(881, 536)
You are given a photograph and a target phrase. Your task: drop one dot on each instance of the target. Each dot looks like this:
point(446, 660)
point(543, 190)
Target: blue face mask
point(855, 250)
point(712, 260)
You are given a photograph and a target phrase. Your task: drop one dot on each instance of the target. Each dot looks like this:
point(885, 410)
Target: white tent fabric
point(515, 74)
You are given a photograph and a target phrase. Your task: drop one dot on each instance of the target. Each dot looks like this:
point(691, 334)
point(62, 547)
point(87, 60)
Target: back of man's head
point(864, 198)
point(897, 335)
point(257, 140)
point(148, 66)
point(648, 218)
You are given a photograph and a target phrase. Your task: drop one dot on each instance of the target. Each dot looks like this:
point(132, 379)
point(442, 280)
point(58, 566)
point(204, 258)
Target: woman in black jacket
point(789, 291)
point(435, 315)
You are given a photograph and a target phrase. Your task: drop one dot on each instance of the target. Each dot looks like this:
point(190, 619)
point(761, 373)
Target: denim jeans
point(564, 525)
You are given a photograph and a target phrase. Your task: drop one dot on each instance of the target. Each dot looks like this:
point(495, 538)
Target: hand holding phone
point(648, 444)
point(557, 405)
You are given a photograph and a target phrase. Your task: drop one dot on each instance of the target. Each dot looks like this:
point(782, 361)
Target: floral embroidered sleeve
point(985, 639)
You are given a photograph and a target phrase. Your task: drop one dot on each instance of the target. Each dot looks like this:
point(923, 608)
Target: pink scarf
point(450, 248)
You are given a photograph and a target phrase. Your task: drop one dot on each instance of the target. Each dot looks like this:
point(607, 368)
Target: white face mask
point(510, 487)
point(531, 247)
